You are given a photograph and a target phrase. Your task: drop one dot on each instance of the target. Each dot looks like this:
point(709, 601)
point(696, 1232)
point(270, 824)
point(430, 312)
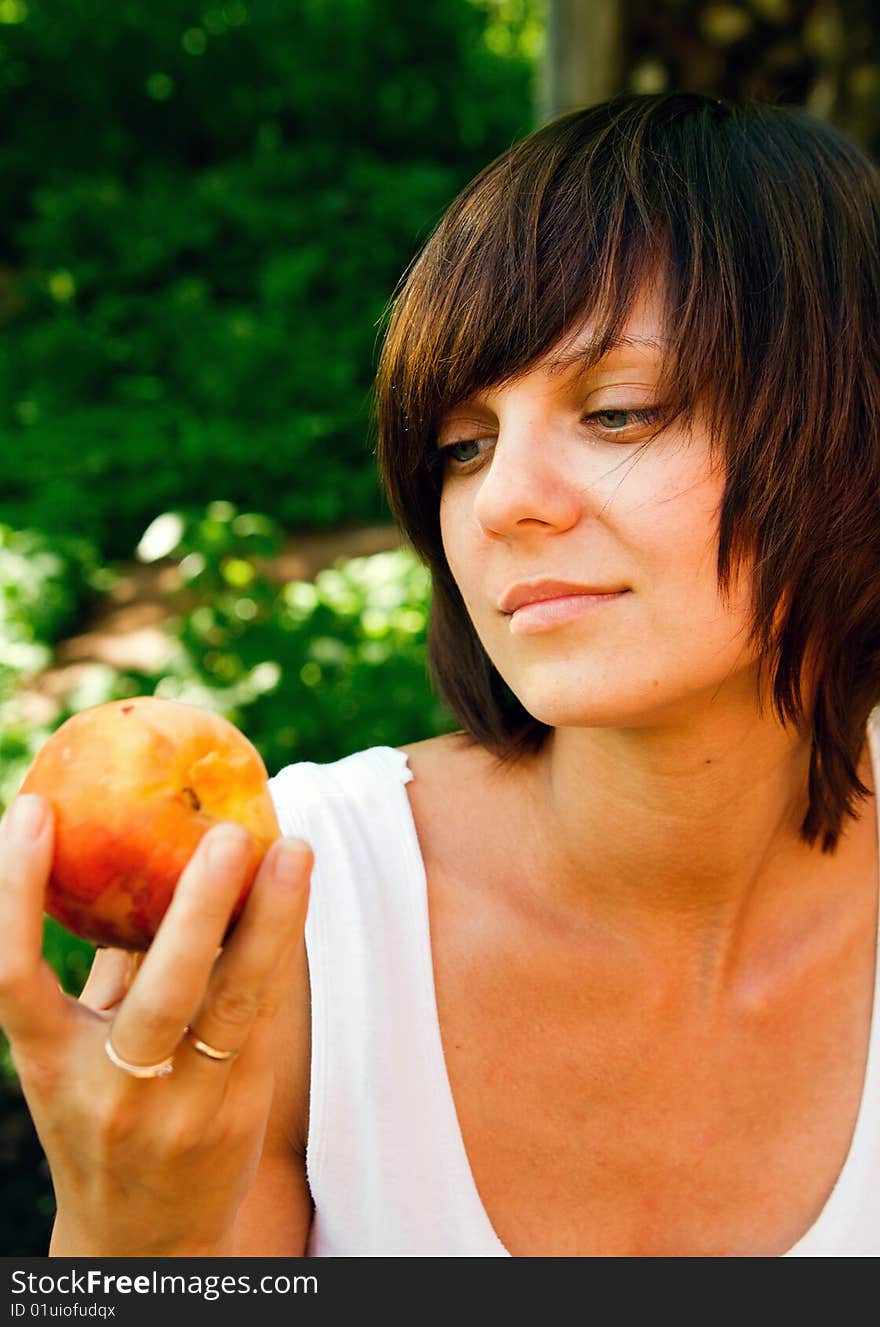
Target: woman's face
point(548, 480)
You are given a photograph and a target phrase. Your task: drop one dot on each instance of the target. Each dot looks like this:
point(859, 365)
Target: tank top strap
point(385, 1162)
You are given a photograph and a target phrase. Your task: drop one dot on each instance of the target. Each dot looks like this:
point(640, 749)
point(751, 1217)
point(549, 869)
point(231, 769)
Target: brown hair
point(766, 221)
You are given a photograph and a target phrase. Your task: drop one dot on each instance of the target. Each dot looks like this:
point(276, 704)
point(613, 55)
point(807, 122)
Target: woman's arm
point(276, 1216)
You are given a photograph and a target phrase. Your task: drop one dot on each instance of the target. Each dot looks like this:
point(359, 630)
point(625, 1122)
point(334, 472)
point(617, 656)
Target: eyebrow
point(586, 353)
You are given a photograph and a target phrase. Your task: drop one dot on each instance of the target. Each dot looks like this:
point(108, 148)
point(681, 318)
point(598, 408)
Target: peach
point(134, 785)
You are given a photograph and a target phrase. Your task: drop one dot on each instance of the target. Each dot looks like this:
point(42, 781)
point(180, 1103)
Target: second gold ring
point(203, 1047)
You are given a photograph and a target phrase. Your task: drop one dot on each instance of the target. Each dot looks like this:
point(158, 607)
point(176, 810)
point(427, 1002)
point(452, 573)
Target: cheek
point(670, 530)
point(455, 526)
point(675, 549)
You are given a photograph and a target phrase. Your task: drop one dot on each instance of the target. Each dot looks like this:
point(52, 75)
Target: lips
point(534, 592)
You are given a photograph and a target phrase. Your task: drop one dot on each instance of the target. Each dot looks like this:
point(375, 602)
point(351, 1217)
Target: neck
point(683, 834)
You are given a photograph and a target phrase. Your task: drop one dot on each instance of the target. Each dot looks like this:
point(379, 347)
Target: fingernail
point(226, 848)
point(289, 862)
point(26, 816)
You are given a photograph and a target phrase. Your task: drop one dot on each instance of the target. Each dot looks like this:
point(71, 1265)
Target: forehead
point(642, 336)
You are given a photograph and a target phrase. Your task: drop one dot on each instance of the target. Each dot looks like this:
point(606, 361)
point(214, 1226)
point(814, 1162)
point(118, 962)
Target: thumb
point(32, 1006)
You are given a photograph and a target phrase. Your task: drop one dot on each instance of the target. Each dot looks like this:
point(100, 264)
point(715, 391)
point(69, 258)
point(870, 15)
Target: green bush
point(46, 582)
point(192, 274)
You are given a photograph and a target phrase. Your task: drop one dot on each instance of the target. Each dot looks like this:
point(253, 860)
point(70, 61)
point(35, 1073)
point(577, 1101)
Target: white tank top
point(386, 1162)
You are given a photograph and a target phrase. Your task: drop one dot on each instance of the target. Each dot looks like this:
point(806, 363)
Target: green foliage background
point(206, 209)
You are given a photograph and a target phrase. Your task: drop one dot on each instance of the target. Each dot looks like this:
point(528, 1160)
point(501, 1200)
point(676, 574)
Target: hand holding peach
point(159, 1167)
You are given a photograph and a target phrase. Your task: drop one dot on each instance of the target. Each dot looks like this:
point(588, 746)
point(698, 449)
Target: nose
point(525, 485)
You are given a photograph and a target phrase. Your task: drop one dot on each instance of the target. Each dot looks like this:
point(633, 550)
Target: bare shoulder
point(447, 751)
point(464, 801)
point(445, 766)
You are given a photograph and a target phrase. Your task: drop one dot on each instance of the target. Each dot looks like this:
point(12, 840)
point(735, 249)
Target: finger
point(277, 1048)
point(171, 980)
point(110, 976)
point(244, 985)
point(32, 1006)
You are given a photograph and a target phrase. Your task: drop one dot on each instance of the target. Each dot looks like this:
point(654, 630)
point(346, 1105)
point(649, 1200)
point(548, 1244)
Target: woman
point(596, 975)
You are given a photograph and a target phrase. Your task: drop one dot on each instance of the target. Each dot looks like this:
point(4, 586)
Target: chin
point(594, 716)
point(589, 707)
point(598, 699)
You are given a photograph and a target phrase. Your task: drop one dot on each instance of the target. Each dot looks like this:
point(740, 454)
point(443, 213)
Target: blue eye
point(448, 452)
point(453, 446)
point(624, 418)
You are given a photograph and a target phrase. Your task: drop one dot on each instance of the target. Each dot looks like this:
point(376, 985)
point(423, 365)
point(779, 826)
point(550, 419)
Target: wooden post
point(583, 60)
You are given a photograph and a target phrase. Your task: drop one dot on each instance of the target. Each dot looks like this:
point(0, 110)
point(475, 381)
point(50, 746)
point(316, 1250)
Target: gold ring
point(160, 1070)
point(210, 1052)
